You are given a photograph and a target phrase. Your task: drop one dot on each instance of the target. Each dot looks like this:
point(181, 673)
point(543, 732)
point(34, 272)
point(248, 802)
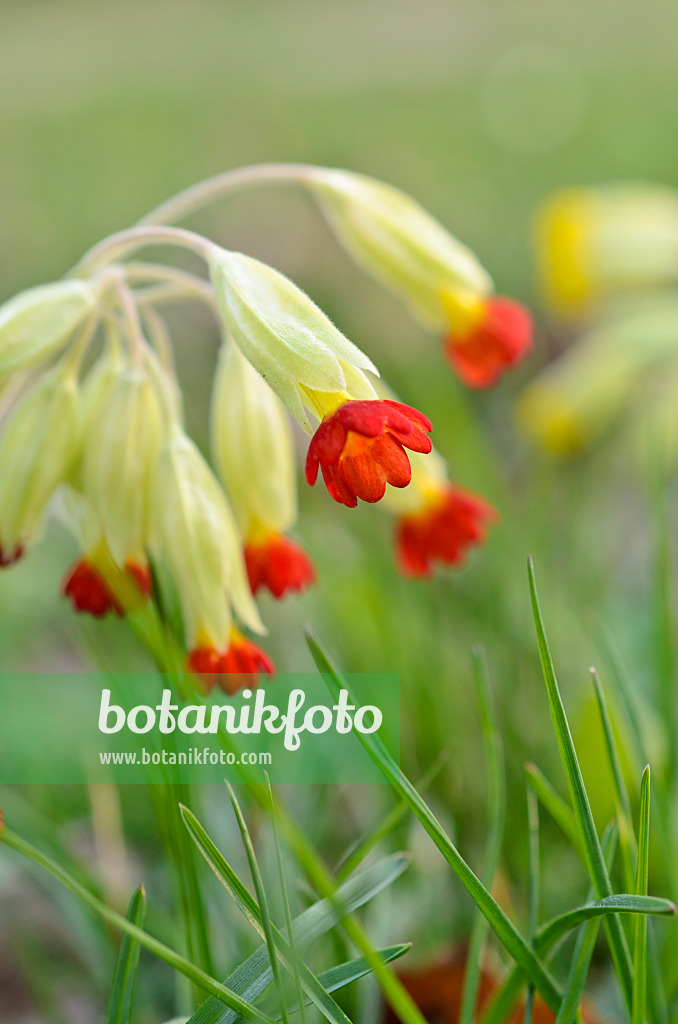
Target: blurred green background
point(478, 110)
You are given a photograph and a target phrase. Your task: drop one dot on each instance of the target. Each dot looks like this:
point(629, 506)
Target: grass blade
point(496, 794)
point(154, 946)
point(253, 976)
point(503, 928)
point(499, 1007)
point(353, 970)
point(627, 836)
point(357, 853)
point(264, 913)
point(639, 1012)
point(251, 910)
point(559, 809)
point(287, 910)
point(120, 1000)
point(579, 969)
point(582, 810)
point(533, 833)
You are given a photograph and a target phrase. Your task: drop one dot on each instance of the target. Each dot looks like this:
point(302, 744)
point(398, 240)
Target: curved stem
point(206, 192)
point(123, 243)
point(131, 315)
point(160, 337)
point(183, 284)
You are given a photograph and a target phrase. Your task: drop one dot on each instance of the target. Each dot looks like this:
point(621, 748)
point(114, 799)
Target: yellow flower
point(593, 243)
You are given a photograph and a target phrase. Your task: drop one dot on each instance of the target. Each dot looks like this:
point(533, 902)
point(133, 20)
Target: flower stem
point(121, 244)
point(212, 189)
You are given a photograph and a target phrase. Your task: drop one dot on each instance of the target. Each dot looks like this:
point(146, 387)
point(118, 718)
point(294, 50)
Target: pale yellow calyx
point(288, 340)
point(195, 533)
point(252, 445)
point(122, 441)
point(398, 241)
point(38, 448)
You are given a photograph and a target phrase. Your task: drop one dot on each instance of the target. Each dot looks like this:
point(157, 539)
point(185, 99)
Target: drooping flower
point(436, 520)
point(595, 243)
point(487, 336)
point(253, 453)
point(360, 442)
point(38, 323)
point(196, 535)
point(123, 434)
point(360, 447)
point(389, 234)
point(441, 531)
point(38, 448)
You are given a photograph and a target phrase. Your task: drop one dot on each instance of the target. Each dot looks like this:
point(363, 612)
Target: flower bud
point(593, 243)
point(38, 447)
point(285, 336)
point(398, 242)
point(252, 445)
point(195, 533)
point(123, 437)
point(253, 452)
point(39, 322)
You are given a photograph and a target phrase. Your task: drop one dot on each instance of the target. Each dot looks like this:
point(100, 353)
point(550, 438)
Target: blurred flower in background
point(608, 257)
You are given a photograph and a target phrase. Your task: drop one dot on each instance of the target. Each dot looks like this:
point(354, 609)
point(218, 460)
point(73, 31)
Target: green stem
point(212, 189)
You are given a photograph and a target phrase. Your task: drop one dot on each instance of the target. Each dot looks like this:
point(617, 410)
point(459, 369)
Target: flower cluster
point(93, 421)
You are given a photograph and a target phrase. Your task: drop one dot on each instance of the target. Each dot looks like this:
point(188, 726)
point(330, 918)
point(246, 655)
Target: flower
point(288, 340)
point(237, 667)
point(195, 533)
point(487, 336)
point(397, 241)
point(360, 442)
point(389, 234)
point(360, 447)
point(253, 453)
point(594, 243)
point(436, 520)
point(449, 522)
point(39, 322)
point(278, 563)
point(38, 449)
point(123, 435)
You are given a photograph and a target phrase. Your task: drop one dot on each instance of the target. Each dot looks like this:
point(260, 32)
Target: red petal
point(371, 453)
point(278, 564)
point(501, 340)
point(88, 591)
point(9, 557)
point(442, 532)
point(241, 665)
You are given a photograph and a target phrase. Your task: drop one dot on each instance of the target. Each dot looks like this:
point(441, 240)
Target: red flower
point(361, 447)
point(233, 669)
point(502, 338)
point(451, 521)
point(279, 564)
point(10, 557)
point(88, 591)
